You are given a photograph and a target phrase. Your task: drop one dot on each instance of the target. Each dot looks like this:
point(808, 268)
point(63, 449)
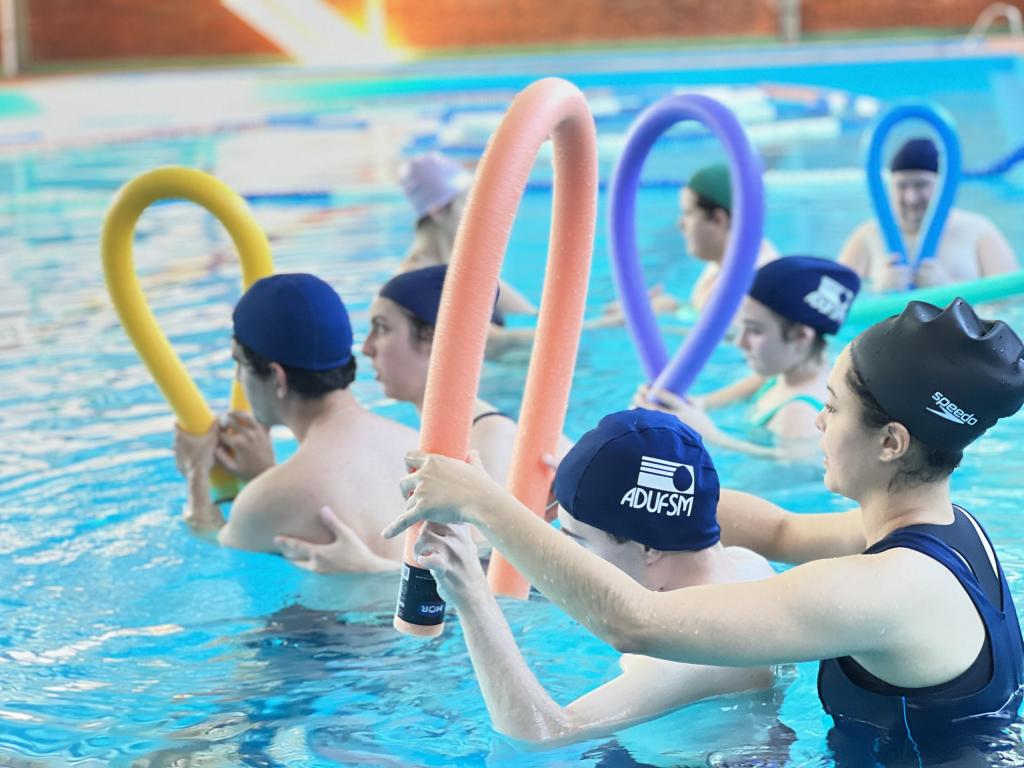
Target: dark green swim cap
point(944, 374)
point(712, 183)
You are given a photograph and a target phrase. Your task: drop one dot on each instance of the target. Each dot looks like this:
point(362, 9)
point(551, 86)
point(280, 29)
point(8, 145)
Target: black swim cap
point(945, 374)
point(916, 155)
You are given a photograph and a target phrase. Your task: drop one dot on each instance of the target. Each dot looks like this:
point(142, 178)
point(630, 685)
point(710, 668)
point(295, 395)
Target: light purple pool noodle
point(677, 374)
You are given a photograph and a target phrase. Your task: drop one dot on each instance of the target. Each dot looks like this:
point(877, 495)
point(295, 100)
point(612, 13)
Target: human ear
point(895, 442)
point(651, 556)
point(280, 380)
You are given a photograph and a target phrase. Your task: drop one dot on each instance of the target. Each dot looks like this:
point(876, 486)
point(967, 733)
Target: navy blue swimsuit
point(986, 697)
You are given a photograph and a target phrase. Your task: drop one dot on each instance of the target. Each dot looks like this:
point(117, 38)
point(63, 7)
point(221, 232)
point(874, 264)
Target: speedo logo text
point(950, 411)
point(662, 488)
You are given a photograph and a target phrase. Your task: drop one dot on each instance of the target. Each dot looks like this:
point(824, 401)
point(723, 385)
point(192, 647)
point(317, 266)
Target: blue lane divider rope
point(999, 167)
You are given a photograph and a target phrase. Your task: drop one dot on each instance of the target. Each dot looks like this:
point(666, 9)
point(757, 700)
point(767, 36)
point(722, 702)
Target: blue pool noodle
point(936, 219)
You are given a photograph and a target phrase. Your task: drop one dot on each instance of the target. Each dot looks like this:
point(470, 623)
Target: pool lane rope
point(192, 412)
point(737, 274)
point(550, 108)
point(998, 167)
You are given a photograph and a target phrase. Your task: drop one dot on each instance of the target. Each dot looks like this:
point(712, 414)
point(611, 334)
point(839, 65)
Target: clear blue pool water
point(128, 642)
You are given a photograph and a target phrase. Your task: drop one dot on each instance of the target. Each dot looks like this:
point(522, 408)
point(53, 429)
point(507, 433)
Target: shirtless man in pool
point(970, 246)
point(293, 346)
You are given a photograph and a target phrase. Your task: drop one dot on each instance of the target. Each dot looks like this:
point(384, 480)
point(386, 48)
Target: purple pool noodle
point(677, 374)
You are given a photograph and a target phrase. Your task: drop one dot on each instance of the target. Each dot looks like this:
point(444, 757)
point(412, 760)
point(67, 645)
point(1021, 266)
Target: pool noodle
point(935, 220)
point(677, 373)
point(190, 408)
point(547, 108)
point(870, 309)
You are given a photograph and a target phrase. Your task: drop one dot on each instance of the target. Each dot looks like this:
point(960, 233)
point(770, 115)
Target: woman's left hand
point(348, 553)
point(443, 490)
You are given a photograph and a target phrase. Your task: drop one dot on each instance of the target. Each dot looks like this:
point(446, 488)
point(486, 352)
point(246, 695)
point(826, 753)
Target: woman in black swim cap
point(902, 600)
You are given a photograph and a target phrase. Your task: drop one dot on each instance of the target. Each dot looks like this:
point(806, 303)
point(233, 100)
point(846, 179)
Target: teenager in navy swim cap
point(639, 491)
point(794, 304)
point(970, 246)
point(902, 599)
point(292, 344)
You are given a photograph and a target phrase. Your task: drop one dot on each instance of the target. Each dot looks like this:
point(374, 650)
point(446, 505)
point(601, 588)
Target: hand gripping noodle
point(548, 108)
point(677, 374)
point(936, 219)
point(132, 199)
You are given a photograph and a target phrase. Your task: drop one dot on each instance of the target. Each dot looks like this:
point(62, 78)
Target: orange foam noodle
point(550, 108)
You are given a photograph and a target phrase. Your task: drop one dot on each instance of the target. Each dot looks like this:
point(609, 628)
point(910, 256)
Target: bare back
point(351, 461)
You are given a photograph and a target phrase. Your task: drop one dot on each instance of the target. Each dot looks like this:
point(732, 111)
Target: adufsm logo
point(831, 298)
point(950, 411)
point(662, 488)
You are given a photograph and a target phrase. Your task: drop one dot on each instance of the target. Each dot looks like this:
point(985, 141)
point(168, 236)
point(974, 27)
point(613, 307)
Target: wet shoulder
point(767, 252)
point(970, 223)
point(749, 565)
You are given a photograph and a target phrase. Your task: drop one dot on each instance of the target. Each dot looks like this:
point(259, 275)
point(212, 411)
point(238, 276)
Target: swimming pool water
point(129, 642)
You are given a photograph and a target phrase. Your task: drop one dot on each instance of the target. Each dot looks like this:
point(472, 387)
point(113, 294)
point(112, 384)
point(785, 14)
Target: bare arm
point(855, 253)
point(704, 286)
point(194, 457)
point(512, 302)
point(494, 438)
point(698, 419)
point(785, 537)
point(649, 688)
point(501, 340)
point(843, 606)
point(995, 254)
point(735, 392)
point(519, 705)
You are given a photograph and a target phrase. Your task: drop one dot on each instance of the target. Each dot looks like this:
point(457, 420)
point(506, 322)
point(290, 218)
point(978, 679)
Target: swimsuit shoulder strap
point(487, 414)
point(810, 400)
point(763, 389)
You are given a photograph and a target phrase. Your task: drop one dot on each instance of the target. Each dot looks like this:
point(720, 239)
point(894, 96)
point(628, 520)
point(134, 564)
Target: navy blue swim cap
point(644, 476)
point(296, 320)
point(945, 374)
point(418, 291)
point(916, 155)
point(806, 289)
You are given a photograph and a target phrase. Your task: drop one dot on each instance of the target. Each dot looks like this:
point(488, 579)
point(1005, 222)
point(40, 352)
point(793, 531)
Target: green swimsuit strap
point(768, 384)
point(812, 401)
